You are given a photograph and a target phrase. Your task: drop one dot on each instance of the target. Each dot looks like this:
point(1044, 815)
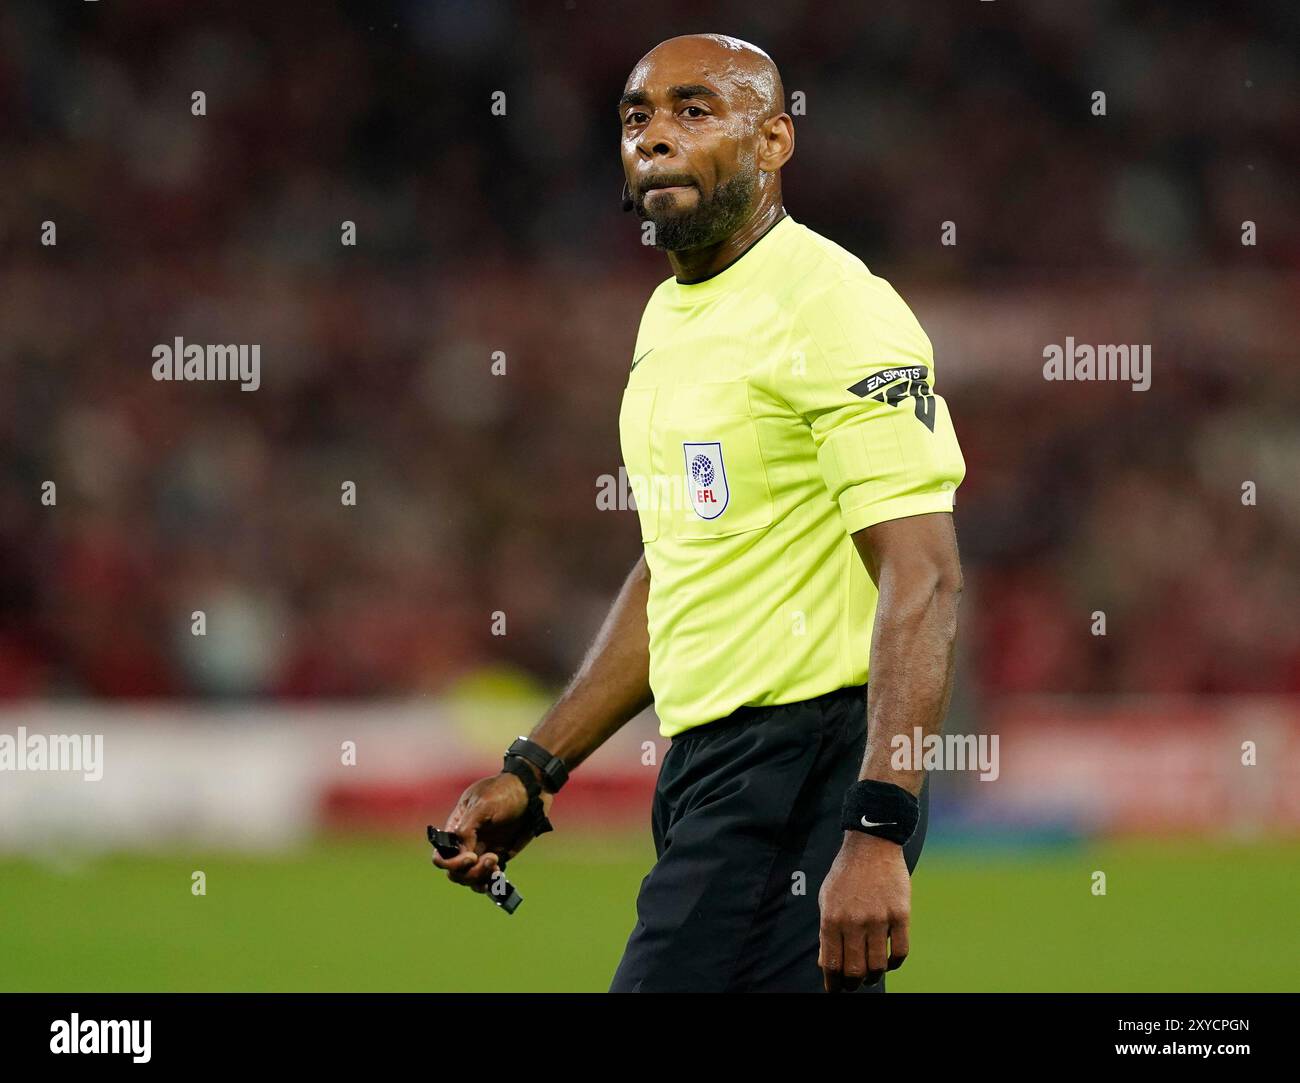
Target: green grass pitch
point(371, 914)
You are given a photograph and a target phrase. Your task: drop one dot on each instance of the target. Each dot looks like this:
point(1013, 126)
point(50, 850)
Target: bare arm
point(613, 683)
point(611, 686)
point(866, 900)
point(914, 564)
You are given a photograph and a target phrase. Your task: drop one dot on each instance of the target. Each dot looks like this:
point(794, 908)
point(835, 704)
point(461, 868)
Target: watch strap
point(555, 773)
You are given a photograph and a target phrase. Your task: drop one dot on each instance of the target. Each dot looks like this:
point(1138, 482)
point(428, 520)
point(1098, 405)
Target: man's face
point(689, 147)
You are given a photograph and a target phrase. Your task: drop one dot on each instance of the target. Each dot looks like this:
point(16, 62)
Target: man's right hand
point(488, 819)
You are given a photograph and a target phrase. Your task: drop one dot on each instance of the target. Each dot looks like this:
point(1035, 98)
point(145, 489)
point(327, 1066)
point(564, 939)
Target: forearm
point(912, 663)
point(613, 683)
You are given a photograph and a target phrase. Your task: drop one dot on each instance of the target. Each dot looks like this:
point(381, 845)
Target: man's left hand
point(866, 907)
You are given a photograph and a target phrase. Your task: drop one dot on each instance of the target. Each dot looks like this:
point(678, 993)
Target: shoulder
point(844, 309)
point(657, 308)
point(660, 292)
point(830, 281)
point(820, 260)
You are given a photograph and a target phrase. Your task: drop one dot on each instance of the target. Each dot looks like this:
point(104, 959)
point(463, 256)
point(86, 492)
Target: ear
point(776, 142)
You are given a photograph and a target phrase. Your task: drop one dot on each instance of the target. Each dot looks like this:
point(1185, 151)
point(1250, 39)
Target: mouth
point(655, 187)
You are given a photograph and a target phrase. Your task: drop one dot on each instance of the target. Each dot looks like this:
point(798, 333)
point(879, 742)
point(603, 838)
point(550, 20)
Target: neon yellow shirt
point(772, 411)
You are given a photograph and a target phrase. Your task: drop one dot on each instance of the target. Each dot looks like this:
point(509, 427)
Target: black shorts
point(742, 807)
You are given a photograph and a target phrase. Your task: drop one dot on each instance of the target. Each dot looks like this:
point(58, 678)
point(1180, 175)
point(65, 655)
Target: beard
point(714, 218)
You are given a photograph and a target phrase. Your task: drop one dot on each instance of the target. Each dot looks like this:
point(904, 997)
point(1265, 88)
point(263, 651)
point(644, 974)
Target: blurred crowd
point(487, 240)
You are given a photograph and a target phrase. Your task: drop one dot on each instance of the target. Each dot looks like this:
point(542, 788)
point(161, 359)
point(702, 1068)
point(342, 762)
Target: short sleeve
point(862, 377)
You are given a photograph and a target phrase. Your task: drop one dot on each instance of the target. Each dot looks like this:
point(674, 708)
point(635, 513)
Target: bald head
point(734, 64)
point(705, 134)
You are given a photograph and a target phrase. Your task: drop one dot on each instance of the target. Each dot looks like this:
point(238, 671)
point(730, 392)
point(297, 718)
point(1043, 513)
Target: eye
point(636, 117)
point(694, 111)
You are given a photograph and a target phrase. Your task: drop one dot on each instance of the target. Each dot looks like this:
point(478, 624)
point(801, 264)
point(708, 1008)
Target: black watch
point(534, 817)
point(554, 773)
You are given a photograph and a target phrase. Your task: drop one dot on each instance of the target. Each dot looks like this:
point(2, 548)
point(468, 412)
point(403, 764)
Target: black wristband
point(881, 809)
point(555, 773)
point(535, 815)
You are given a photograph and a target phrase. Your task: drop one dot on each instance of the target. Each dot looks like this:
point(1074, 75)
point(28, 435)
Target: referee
point(794, 474)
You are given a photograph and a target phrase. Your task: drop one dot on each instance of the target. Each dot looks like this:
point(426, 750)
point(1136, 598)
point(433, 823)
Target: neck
point(697, 264)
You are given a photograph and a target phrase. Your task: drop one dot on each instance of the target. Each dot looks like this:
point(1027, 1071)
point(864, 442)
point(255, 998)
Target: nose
point(656, 140)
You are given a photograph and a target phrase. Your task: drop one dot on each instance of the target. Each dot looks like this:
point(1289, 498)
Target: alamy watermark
point(946, 752)
point(1080, 361)
point(630, 492)
point(112, 1036)
point(212, 363)
point(25, 751)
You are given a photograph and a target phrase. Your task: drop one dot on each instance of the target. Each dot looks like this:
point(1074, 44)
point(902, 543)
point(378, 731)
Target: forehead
point(660, 69)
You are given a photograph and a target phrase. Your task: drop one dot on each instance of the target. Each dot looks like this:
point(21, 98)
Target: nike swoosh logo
point(868, 823)
point(642, 358)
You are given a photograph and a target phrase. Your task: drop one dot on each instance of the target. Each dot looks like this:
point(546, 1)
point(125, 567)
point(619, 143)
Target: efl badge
point(706, 478)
